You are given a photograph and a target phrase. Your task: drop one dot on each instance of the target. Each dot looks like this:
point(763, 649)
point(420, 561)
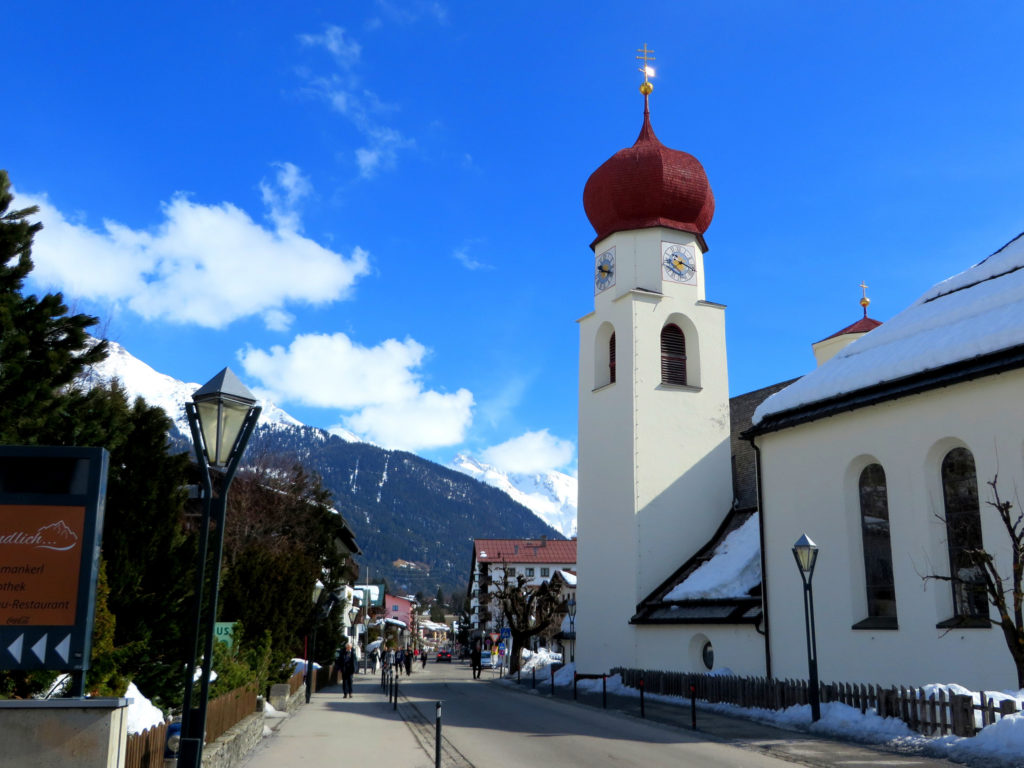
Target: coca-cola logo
point(56, 536)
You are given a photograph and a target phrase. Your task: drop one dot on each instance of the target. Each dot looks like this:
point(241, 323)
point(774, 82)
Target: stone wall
point(231, 749)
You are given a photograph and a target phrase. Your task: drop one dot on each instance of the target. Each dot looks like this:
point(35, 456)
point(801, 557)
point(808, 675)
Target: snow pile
point(974, 313)
point(1002, 741)
point(733, 570)
point(540, 660)
point(142, 714)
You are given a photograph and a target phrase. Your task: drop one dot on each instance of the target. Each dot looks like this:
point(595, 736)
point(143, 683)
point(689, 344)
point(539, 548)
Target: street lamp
point(572, 628)
point(221, 417)
point(805, 552)
point(318, 589)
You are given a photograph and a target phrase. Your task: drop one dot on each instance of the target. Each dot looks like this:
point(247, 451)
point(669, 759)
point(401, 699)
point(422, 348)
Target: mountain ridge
point(403, 509)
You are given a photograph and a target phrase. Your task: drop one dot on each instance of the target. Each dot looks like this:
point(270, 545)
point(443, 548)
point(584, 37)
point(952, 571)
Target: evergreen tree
point(42, 347)
point(43, 350)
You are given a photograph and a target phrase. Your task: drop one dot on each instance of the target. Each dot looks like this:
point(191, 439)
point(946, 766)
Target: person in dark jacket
point(408, 661)
point(347, 665)
point(474, 659)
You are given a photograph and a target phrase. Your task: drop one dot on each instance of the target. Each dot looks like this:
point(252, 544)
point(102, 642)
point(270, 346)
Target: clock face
point(678, 263)
point(604, 271)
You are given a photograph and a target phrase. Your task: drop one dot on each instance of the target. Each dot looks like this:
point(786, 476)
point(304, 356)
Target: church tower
point(655, 475)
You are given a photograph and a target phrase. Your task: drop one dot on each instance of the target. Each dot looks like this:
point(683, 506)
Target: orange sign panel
point(40, 559)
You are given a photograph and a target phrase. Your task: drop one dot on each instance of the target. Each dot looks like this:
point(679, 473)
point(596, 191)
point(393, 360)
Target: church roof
point(863, 325)
point(721, 584)
point(967, 326)
point(649, 185)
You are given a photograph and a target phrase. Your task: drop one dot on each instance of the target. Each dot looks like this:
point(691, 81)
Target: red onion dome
point(649, 185)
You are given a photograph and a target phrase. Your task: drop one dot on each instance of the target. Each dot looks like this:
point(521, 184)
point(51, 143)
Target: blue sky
point(372, 211)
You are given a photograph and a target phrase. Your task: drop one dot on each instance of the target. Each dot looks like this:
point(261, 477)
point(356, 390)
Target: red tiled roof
point(524, 551)
point(863, 325)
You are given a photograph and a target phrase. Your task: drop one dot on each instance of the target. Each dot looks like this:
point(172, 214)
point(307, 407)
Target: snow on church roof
point(733, 570)
point(977, 312)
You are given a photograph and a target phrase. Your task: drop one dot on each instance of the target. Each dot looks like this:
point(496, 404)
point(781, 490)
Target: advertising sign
point(51, 520)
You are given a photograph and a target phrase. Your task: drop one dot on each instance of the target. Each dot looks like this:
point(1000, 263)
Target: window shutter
point(611, 359)
point(673, 355)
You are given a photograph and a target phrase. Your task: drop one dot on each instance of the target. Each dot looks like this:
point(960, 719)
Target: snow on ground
point(142, 713)
point(999, 744)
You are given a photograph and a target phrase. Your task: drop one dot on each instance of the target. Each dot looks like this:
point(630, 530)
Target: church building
point(690, 501)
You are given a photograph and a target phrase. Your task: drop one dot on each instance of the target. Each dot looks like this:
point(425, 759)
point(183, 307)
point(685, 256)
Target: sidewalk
point(332, 730)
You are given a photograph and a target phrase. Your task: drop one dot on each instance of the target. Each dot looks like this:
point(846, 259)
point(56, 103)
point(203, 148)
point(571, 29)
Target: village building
point(536, 560)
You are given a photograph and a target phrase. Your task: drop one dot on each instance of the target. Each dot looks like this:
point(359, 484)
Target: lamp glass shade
point(806, 553)
point(221, 421)
point(222, 404)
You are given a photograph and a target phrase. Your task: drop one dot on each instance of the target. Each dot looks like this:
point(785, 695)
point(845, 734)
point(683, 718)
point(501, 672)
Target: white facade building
point(535, 559)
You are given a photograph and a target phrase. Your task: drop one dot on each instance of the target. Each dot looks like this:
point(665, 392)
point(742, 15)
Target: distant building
point(535, 559)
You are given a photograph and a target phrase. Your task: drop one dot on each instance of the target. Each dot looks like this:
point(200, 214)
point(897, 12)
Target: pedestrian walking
point(374, 658)
point(423, 658)
point(408, 661)
point(347, 665)
point(474, 659)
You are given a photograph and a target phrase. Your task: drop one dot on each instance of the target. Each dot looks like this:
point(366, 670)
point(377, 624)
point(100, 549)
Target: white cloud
point(379, 386)
point(207, 265)
point(429, 420)
point(462, 256)
point(344, 49)
point(283, 200)
point(530, 452)
point(361, 107)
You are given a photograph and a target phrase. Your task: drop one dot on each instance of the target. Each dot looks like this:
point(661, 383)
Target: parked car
point(444, 655)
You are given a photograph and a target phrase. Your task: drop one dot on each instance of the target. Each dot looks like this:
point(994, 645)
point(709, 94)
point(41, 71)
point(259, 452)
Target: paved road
point(490, 725)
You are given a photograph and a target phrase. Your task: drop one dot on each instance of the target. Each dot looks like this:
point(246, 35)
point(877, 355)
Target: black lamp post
point(221, 416)
point(572, 628)
point(806, 553)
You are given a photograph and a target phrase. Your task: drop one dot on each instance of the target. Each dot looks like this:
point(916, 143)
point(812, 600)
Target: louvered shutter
point(611, 359)
point(673, 355)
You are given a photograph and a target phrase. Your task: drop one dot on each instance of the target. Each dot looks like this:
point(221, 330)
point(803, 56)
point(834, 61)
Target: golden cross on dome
point(648, 71)
point(864, 301)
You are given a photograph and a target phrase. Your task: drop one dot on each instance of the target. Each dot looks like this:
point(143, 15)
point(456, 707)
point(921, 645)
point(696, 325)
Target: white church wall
point(606, 549)
point(809, 475)
point(738, 649)
point(654, 459)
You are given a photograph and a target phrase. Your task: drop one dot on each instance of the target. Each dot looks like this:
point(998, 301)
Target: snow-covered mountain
point(140, 380)
point(549, 495)
point(403, 508)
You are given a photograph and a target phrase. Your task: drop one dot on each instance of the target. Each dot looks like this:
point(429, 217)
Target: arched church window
point(673, 355)
point(611, 359)
point(963, 533)
point(874, 516)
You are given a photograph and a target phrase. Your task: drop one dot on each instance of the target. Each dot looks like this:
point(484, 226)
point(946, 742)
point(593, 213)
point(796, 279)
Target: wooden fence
point(932, 715)
point(146, 749)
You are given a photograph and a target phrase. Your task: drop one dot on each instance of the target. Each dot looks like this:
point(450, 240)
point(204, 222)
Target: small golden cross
point(863, 289)
point(645, 55)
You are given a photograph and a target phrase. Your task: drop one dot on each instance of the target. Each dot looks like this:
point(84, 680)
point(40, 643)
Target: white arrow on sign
point(64, 647)
point(15, 648)
point(39, 649)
